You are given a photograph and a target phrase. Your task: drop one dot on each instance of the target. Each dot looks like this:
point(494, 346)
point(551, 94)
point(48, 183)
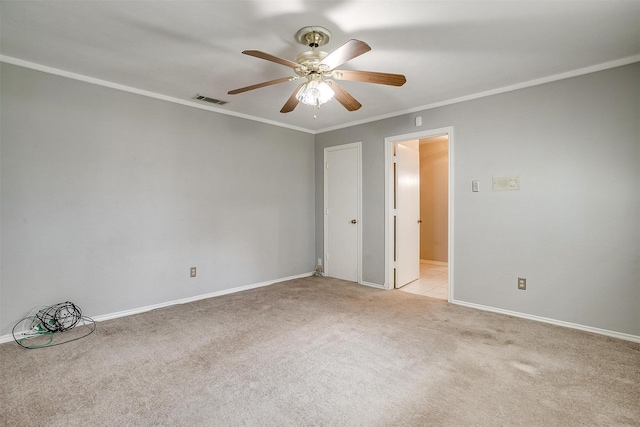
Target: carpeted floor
point(319, 351)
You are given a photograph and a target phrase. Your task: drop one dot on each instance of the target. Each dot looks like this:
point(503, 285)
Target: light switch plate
point(506, 183)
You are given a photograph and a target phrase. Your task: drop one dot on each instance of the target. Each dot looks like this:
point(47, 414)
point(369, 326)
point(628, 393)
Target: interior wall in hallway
point(434, 200)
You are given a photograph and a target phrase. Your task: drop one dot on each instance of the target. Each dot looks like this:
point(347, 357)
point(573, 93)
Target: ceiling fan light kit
point(319, 70)
point(315, 92)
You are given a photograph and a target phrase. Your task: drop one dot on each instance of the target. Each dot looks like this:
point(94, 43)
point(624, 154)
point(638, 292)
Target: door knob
point(419, 221)
point(353, 221)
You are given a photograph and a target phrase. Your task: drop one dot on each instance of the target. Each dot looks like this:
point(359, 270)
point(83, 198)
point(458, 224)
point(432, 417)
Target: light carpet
point(321, 351)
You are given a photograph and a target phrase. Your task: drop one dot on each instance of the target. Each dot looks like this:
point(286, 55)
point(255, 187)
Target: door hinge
point(395, 159)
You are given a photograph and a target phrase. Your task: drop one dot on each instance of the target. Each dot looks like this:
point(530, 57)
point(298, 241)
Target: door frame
point(327, 266)
point(389, 191)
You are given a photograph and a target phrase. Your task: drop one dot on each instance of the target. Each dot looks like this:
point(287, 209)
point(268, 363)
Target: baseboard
point(428, 261)
point(613, 334)
point(9, 337)
point(373, 285)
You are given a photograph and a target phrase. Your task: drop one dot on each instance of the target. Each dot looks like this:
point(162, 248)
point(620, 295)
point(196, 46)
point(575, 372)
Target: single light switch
point(475, 186)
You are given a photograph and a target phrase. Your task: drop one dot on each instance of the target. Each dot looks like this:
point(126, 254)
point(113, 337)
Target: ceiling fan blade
point(371, 77)
point(346, 52)
point(259, 85)
point(269, 57)
point(344, 98)
point(292, 102)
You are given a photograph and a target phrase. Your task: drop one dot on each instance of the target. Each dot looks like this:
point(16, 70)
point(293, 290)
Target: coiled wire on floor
point(39, 329)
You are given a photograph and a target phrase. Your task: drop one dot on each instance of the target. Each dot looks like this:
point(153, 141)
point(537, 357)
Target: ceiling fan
point(319, 71)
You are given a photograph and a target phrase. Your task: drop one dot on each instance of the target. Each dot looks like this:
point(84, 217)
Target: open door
point(407, 216)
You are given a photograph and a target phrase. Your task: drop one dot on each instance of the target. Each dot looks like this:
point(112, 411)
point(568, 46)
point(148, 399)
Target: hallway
point(433, 281)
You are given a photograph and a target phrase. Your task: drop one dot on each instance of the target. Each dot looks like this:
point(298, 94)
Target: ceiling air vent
point(207, 99)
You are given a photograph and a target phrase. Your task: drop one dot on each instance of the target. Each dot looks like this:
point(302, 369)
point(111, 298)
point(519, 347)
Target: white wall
point(573, 229)
point(109, 197)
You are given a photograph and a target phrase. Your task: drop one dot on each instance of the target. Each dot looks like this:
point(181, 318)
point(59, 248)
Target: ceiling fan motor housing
point(310, 61)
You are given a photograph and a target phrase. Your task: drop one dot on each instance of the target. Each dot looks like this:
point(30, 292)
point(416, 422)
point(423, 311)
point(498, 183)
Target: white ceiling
point(446, 49)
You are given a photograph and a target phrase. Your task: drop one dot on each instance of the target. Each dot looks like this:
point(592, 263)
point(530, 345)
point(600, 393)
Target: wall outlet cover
point(522, 283)
point(506, 183)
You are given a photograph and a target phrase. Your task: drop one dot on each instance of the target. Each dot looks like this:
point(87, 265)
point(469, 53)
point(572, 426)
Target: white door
point(342, 208)
point(407, 213)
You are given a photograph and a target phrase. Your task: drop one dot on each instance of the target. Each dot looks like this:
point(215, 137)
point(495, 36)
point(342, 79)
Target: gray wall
point(109, 197)
point(573, 229)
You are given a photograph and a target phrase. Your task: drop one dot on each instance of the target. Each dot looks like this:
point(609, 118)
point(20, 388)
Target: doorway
point(435, 258)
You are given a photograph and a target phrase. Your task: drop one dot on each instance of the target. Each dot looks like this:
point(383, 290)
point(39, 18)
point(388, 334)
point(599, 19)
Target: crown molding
point(130, 89)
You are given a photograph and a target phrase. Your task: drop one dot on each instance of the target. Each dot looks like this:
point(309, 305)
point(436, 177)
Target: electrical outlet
point(475, 186)
point(192, 272)
point(522, 283)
